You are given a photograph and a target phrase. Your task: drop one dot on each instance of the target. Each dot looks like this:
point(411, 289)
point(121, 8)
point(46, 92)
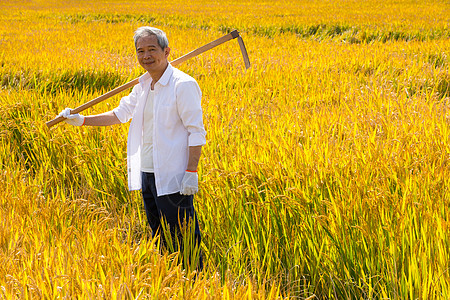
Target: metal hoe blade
point(244, 52)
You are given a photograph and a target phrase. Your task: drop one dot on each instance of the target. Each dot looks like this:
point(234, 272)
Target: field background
point(327, 169)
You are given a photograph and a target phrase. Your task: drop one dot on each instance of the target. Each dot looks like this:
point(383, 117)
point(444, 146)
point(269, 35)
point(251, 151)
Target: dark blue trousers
point(175, 209)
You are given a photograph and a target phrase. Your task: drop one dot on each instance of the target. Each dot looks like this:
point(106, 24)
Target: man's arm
point(104, 119)
point(194, 156)
point(190, 111)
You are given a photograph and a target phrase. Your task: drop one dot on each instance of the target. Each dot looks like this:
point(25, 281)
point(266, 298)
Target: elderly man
point(165, 137)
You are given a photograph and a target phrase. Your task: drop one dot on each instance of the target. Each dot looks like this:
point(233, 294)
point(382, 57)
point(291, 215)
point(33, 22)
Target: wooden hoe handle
point(232, 35)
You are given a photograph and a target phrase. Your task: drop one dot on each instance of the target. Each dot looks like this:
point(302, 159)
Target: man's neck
point(157, 75)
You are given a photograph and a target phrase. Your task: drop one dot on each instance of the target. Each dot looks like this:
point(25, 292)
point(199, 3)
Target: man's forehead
point(146, 41)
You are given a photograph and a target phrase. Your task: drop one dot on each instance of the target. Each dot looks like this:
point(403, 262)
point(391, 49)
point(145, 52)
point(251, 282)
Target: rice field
point(326, 172)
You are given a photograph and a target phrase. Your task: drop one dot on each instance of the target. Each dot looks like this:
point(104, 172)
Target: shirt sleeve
point(190, 110)
point(124, 112)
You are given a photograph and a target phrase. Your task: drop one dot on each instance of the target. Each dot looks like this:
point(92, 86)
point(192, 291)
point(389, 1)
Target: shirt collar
point(164, 78)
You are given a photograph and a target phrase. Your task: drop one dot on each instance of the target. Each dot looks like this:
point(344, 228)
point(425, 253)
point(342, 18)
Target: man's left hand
point(189, 184)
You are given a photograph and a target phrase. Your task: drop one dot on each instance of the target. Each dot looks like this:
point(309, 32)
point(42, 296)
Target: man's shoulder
point(180, 76)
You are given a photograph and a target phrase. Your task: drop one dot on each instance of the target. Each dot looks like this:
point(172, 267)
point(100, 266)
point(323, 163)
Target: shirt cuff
point(122, 118)
point(197, 139)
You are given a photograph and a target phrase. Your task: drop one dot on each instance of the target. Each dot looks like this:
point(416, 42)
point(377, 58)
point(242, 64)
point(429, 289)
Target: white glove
point(189, 184)
point(75, 120)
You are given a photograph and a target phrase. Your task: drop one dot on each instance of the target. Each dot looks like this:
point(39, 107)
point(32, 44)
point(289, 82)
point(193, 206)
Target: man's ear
point(166, 52)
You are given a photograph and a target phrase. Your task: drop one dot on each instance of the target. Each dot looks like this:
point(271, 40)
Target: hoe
point(232, 35)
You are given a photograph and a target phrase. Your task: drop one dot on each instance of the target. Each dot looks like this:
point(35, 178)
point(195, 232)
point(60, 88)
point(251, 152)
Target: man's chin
point(148, 69)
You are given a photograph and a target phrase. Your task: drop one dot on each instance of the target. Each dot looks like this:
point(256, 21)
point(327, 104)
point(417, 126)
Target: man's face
point(150, 55)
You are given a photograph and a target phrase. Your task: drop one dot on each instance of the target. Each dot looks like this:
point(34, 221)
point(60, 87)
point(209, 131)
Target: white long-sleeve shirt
point(178, 124)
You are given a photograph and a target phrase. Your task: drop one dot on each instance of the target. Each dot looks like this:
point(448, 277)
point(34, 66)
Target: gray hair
point(163, 42)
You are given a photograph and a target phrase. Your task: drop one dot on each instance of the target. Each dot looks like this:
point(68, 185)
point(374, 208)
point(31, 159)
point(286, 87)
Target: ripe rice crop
point(325, 175)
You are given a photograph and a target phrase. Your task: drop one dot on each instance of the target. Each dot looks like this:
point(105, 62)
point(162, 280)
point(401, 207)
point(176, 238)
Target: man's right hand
point(189, 184)
point(75, 119)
